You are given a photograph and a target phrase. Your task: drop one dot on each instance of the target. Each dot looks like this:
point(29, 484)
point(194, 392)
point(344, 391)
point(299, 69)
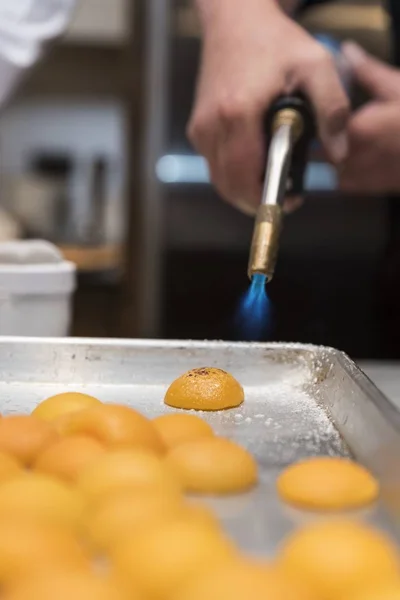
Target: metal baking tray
point(300, 401)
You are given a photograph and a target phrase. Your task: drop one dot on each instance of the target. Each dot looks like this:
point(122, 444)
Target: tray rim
point(381, 415)
point(388, 408)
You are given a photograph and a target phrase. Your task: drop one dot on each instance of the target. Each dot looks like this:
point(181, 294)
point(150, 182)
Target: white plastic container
point(36, 299)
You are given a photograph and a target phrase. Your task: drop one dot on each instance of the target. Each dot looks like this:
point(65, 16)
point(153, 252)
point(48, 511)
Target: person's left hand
point(373, 163)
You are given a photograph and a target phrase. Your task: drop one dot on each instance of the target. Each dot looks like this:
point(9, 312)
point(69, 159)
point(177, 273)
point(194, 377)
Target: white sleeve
point(25, 26)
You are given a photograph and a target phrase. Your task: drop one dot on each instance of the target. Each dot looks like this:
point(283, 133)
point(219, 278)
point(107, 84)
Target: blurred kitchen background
point(93, 157)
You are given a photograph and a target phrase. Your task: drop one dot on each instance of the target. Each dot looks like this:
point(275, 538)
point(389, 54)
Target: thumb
point(381, 80)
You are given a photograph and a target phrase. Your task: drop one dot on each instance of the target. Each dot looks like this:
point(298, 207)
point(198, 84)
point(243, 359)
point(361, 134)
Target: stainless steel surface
point(386, 375)
point(278, 164)
point(299, 401)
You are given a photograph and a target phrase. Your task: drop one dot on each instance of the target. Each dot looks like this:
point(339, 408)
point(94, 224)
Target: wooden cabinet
point(100, 22)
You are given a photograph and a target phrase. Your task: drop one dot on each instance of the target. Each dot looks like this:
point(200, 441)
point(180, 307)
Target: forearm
point(211, 10)
point(228, 13)
point(290, 6)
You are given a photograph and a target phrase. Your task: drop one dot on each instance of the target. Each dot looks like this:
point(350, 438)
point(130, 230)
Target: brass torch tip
point(291, 117)
point(264, 246)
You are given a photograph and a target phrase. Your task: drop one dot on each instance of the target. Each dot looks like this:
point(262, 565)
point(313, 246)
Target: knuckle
point(192, 131)
point(363, 126)
point(356, 128)
point(233, 160)
point(316, 60)
point(236, 168)
point(362, 132)
point(225, 110)
point(337, 113)
point(323, 58)
point(233, 109)
point(198, 126)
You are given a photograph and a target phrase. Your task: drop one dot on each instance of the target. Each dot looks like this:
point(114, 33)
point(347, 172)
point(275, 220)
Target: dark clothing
point(394, 10)
point(387, 281)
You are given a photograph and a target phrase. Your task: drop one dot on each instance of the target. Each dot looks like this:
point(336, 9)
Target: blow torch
point(290, 129)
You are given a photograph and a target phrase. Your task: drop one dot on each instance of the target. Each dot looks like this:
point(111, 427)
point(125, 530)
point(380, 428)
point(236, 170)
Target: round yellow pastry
point(160, 560)
point(27, 547)
point(120, 469)
point(386, 591)
point(113, 425)
point(24, 437)
point(123, 513)
point(66, 584)
point(69, 456)
point(42, 499)
point(9, 467)
point(213, 466)
point(207, 388)
point(327, 483)
point(337, 557)
point(243, 579)
point(61, 404)
point(178, 428)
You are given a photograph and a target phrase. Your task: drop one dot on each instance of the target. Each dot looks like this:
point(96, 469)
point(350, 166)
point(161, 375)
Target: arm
point(212, 10)
point(25, 27)
point(253, 52)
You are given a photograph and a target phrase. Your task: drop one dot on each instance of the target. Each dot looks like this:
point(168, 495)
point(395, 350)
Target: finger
point(292, 203)
point(354, 172)
point(241, 158)
point(360, 173)
point(202, 133)
point(355, 181)
point(367, 125)
point(350, 179)
point(322, 85)
point(247, 208)
point(378, 78)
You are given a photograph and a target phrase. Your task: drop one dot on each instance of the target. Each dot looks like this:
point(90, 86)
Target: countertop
point(386, 376)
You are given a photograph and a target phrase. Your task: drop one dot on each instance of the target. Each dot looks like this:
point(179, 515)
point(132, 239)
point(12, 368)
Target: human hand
point(373, 163)
point(251, 55)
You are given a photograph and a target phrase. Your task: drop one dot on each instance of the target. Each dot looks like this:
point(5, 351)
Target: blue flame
point(254, 317)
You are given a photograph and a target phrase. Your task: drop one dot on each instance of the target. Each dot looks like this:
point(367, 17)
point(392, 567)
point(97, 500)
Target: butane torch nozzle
point(265, 243)
point(287, 126)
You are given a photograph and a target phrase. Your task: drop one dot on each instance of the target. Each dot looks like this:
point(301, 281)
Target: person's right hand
point(250, 56)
